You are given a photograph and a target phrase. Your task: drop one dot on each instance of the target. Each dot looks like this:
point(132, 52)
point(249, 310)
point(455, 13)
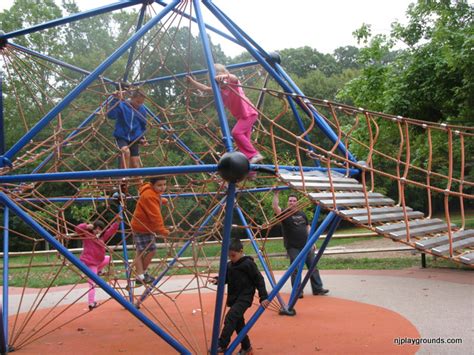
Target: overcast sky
point(277, 24)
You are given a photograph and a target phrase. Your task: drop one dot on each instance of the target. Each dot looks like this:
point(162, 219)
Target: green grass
point(46, 276)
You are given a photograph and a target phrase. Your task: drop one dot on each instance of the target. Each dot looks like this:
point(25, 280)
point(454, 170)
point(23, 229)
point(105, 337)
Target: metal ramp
point(380, 214)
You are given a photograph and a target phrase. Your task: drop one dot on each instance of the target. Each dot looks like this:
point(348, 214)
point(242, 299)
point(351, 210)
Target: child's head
point(137, 98)
point(158, 183)
point(220, 69)
point(236, 250)
point(98, 227)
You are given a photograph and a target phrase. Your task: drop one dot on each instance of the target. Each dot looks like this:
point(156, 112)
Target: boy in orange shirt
point(147, 222)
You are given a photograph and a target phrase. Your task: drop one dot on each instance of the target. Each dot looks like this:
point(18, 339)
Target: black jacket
point(242, 279)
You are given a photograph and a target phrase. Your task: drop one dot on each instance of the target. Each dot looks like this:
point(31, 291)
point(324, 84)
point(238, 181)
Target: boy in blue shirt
point(130, 127)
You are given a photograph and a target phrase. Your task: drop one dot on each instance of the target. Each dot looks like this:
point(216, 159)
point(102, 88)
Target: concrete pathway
point(439, 303)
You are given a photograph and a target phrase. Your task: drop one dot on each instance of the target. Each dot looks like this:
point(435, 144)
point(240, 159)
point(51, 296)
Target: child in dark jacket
point(93, 254)
point(242, 279)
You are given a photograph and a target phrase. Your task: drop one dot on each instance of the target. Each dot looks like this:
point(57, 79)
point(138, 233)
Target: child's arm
point(114, 112)
point(154, 212)
point(259, 283)
point(83, 228)
point(227, 78)
point(110, 232)
point(198, 85)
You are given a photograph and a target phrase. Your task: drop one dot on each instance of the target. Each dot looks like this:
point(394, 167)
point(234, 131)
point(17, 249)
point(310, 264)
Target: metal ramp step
point(388, 228)
point(322, 186)
point(350, 199)
point(467, 258)
point(389, 217)
point(357, 212)
point(417, 228)
point(321, 182)
point(347, 197)
point(317, 178)
point(444, 249)
point(444, 239)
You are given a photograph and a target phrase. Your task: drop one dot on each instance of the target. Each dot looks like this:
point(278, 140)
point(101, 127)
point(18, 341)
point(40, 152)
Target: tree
point(303, 60)
point(346, 57)
point(432, 78)
point(429, 80)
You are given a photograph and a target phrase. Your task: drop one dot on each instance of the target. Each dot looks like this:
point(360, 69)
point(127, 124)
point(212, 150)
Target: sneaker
point(148, 279)
point(221, 350)
point(145, 281)
point(92, 306)
point(320, 292)
point(249, 351)
point(257, 158)
point(301, 296)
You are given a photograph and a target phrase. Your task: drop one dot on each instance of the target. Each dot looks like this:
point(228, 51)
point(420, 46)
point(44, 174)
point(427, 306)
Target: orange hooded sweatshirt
point(147, 217)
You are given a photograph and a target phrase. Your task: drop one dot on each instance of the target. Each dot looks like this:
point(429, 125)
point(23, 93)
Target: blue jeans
point(316, 282)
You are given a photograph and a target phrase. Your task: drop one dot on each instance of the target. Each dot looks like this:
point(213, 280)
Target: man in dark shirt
point(295, 234)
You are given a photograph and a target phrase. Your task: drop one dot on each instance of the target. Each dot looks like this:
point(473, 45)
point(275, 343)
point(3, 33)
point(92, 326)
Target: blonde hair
point(220, 69)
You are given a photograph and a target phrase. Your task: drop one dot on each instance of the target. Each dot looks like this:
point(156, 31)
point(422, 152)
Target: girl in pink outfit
point(239, 106)
point(93, 254)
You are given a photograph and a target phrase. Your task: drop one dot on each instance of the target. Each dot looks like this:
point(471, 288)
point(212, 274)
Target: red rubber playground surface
point(326, 325)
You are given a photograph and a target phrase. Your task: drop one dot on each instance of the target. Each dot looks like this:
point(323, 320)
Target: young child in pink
point(93, 254)
point(239, 106)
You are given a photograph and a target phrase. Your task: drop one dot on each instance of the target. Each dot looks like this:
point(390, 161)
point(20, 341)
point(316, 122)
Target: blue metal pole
point(276, 75)
point(81, 266)
point(2, 119)
point(6, 248)
point(85, 83)
point(251, 237)
point(229, 208)
point(76, 17)
point(226, 136)
point(329, 218)
point(132, 50)
point(321, 250)
point(213, 29)
point(294, 288)
point(55, 61)
point(170, 170)
point(181, 252)
point(174, 136)
point(3, 343)
point(150, 288)
point(194, 72)
point(72, 134)
point(244, 35)
point(125, 253)
point(320, 121)
point(314, 223)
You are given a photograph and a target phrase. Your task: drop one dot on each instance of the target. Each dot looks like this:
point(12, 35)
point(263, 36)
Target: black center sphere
point(233, 167)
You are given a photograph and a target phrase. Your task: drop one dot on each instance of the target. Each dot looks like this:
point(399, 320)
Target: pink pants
point(241, 133)
point(95, 269)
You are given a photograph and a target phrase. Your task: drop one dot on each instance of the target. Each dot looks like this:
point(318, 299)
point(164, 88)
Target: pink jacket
point(94, 248)
point(236, 102)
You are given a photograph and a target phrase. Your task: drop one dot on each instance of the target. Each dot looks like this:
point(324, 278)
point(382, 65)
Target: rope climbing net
point(50, 143)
